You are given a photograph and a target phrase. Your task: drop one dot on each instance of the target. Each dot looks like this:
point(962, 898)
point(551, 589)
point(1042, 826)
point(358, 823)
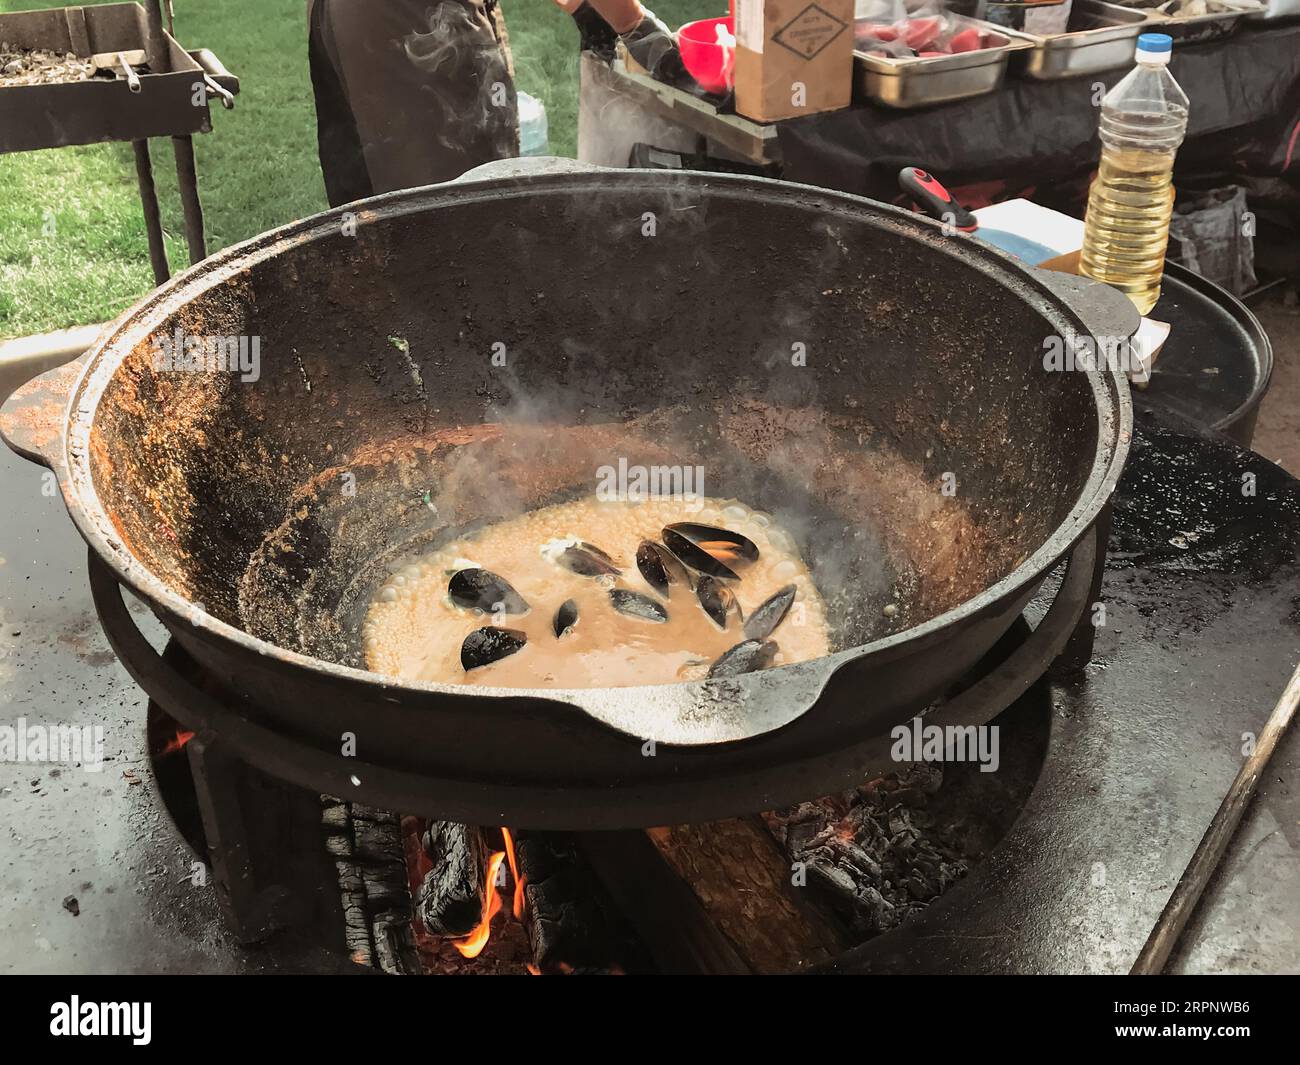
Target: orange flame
point(177, 742)
point(472, 945)
point(518, 907)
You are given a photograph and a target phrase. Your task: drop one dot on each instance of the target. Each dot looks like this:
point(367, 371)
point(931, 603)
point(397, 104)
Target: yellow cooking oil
point(1127, 229)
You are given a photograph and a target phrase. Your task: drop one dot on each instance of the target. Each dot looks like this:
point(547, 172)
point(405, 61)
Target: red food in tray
point(918, 38)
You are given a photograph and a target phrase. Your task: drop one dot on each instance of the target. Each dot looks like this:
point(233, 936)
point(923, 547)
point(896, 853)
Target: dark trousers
point(408, 92)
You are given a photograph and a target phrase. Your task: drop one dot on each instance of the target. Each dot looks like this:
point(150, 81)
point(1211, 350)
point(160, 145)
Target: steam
point(466, 71)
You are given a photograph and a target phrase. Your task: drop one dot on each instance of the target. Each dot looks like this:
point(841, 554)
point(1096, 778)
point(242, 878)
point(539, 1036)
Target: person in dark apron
point(408, 92)
point(414, 92)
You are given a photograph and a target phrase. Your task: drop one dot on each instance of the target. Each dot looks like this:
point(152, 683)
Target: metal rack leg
point(152, 219)
point(187, 181)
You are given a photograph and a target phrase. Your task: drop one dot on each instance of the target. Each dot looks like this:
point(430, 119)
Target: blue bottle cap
point(1155, 42)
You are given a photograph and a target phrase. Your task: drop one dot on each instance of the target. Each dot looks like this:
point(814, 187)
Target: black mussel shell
point(717, 599)
point(767, 617)
point(697, 558)
point(587, 560)
point(636, 605)
point(484, 646)
point(745, 657)
point(565, 618)
point(481, 589)
point(660, 568)
point(723, 544)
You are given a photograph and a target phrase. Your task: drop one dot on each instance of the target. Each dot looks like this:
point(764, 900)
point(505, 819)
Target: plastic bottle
point(1143, 120)
point(534, 137)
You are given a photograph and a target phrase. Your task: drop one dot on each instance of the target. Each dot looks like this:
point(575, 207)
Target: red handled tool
point(934, 199)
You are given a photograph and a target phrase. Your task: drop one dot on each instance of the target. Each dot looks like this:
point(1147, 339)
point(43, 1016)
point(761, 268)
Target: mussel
point(709, 549)
point(565, 618)
point(726, 546)
point(765, 618)
point(481, 589)
point(484, 646)
point(745, 657)
point(586, 560)
point(718, 601)
point(636, 605)
point(660, 568)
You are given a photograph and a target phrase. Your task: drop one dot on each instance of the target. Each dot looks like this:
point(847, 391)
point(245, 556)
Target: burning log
point(571, 924)
point(449, 902)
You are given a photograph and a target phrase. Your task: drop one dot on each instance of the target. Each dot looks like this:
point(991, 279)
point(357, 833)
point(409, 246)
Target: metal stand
point(251, 736)
point(161, 102)
point(266, 847)
point(187, 179)
point(152, 218)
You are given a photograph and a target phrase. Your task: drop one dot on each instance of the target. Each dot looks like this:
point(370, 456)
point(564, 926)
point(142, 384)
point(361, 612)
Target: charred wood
point(449, 901)
point(572, 924)
point(747, 888)
point(370, 864)
point(668, 917)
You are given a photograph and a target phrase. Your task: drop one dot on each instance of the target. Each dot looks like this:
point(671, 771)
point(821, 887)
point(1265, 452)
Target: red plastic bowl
point(704, 58)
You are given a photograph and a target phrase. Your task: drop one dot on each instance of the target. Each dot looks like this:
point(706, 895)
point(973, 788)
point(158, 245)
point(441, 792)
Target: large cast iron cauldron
point(875, 384)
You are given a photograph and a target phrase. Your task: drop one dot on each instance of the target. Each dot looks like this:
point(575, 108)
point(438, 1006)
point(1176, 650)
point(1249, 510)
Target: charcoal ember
point(860, 860)
point(874, 855)
point(831, 877)
point(799, 835)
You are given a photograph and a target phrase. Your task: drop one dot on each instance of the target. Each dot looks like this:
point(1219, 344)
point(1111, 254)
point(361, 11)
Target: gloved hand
point(651, 43)
point(594, 33)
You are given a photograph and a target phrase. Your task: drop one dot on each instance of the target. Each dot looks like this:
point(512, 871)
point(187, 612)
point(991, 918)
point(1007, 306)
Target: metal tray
point(908, 83)
point(1197, 28)
point(1103, 37)
point(100, 109)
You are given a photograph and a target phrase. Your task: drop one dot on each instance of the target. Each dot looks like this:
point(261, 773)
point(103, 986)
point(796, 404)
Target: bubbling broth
point(587, 594)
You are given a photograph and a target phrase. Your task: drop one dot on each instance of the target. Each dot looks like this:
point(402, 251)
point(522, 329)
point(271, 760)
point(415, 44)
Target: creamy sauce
point(413, 630)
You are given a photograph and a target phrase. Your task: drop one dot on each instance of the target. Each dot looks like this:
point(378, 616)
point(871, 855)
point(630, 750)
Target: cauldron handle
point(1107, 312)
point(33, 418)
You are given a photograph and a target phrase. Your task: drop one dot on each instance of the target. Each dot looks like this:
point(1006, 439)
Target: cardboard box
point(793, 57)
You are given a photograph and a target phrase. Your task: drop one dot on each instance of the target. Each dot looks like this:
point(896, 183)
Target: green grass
point(72, 240)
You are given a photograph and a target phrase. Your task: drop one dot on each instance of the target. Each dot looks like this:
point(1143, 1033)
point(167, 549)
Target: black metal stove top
point(1202, 630)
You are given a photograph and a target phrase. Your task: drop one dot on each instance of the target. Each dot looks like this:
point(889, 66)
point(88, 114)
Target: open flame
point(182, 737)
point(518, 908)
point(472, 945)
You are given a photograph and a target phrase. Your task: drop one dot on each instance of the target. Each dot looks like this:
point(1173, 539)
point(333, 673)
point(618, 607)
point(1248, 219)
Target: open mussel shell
point(697, 558)
point(745, 657)
point(661, 568)
point(726, 546)
point(586, 560)
point(636, 605)
point(565, 618)
point(484, 646)
point(718, 601)
point(481, 589)
point(765, 618)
